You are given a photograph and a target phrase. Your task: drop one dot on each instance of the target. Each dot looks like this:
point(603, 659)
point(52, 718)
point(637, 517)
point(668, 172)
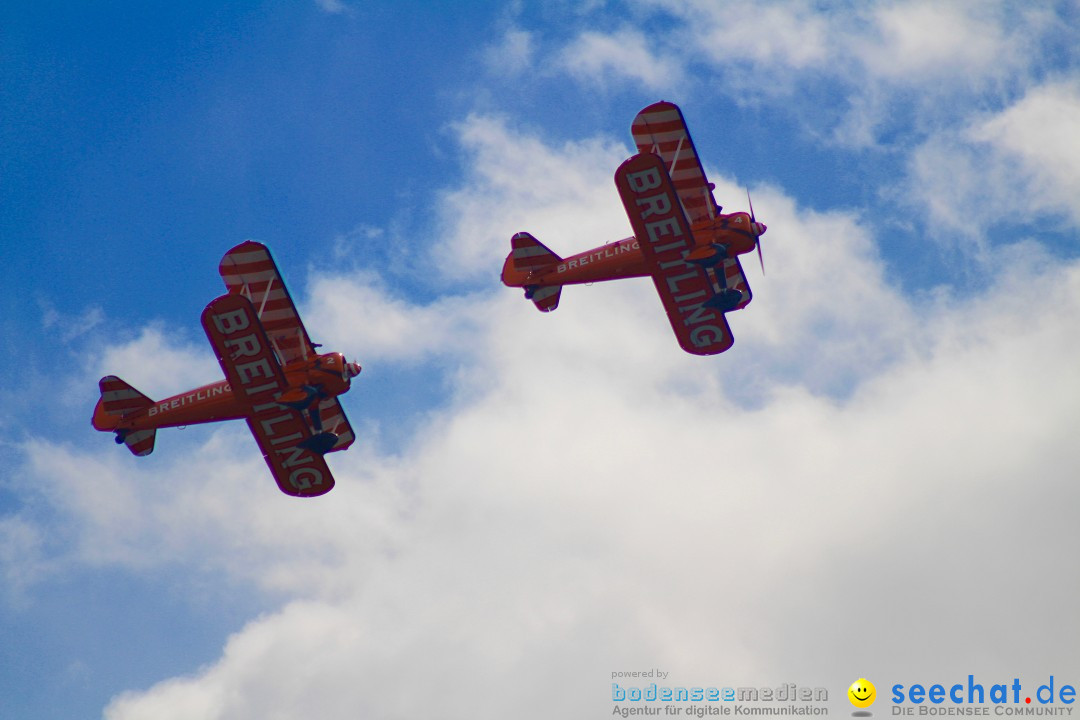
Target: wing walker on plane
point(680, 239)
point(274, 379)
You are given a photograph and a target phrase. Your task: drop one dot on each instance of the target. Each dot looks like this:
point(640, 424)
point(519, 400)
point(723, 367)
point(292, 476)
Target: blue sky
point(877, 480)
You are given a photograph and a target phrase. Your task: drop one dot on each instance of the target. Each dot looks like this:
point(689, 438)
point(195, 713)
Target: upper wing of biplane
point(249, 269)
point(664, 235)
point(661, 130)
point(256, 378)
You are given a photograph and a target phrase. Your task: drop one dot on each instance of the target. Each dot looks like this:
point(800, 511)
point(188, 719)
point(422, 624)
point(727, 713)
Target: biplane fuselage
point(623, 259)
point(216, 402)
point(205, 404)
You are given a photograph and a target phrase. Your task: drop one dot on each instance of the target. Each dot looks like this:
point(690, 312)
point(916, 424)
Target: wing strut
point(266, 296)
point(675, 159)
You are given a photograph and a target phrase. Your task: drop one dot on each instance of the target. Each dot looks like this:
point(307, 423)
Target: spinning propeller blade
point(757, 237)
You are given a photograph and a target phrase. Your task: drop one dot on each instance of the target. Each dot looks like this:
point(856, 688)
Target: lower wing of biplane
point(256, 380)
point(686, 288)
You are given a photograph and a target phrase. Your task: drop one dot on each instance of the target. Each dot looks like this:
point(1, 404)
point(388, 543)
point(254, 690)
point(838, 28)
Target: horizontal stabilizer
point(140, 442)
point(545, 297)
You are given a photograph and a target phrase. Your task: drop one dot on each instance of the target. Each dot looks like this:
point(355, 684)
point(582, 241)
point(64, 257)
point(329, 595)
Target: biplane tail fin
point(117, 400)
point(529, 258)
point(530, 255)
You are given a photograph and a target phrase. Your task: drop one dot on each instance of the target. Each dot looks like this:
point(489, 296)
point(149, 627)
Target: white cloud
point(823, 278)
point(71, 327)
point(1037, 136)
point(579, 518)
point(160, 362)
point(387, 328)
point(513, 54)
point(564, 196)
point(912, 42)
point(904, 43)
point(1009, 166)
point(625, 54)
point(787, 34)
point(853, 73)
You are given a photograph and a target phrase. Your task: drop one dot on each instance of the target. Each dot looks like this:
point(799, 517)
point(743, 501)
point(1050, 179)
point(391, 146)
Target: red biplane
point(274, 379)
point(680, 239)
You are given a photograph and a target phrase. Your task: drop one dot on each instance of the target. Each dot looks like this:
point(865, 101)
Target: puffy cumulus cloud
point(904, 43)
point(1036, 137)
point(775, 34)
point(593, 500)
point(911, 42)
point(625, 54)
point(824, 278)
point(180, 507)
point(1009, 165)
point(159, 361)
point(557, 536)
point(561, 195)
point(857, 68)
point(385, 327)
point(513, 54)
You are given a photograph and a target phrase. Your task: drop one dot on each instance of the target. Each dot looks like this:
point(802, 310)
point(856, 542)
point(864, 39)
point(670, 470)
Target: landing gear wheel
point(121, 436)
point(530, 290)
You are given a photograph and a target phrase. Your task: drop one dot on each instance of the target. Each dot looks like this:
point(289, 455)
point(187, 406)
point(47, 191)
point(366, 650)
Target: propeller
point(757, 235)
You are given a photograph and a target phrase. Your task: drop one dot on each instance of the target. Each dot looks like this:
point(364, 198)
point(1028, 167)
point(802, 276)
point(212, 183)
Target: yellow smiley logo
point(862, 693)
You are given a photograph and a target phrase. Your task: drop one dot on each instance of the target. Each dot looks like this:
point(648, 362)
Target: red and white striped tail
point(529, 255)
point(119, 399)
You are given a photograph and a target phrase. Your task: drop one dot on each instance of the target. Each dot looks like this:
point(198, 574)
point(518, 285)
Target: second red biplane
point(680, 239)
point(274, 379)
